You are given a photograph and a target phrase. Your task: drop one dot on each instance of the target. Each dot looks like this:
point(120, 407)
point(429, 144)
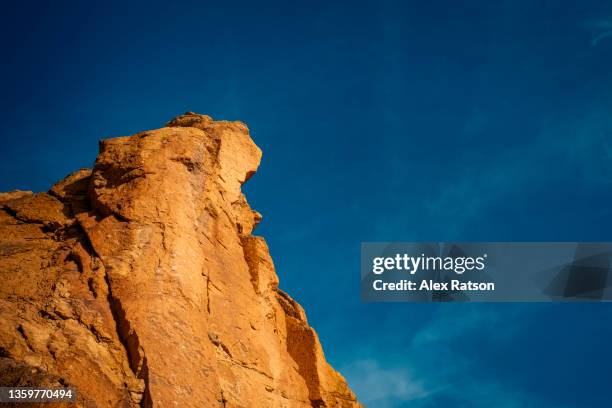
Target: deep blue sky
point(439, 120)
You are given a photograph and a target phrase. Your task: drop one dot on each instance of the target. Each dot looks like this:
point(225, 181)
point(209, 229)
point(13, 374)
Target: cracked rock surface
point(139, 282)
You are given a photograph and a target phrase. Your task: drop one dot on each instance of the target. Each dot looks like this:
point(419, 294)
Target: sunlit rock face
point(140, 283)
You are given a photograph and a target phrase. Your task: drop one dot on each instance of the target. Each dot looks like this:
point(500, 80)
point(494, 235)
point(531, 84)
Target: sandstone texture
point(139, 282)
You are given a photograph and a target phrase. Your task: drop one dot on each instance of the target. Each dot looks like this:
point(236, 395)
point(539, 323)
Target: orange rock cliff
point(140, 283)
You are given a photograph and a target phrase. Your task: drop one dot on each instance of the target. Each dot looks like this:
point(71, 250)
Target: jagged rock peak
point(139, 282)
point(204, 122)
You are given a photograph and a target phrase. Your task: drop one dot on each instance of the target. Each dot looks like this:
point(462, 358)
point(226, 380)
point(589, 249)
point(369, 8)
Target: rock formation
point(140, 284)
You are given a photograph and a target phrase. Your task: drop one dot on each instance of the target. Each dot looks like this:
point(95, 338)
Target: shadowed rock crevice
point(135, 352)
point(301, 347)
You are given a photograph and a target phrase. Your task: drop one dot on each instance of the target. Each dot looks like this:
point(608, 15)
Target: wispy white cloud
point(577, 147)
point(436, 374)
point(600, 30)
point(384, 386)
point(449, 325)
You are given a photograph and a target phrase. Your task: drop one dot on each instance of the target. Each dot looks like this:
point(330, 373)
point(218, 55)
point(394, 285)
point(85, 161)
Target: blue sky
point(379, 121)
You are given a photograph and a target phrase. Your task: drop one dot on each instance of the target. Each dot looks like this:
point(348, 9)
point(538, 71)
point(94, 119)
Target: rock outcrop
point(140, 284)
